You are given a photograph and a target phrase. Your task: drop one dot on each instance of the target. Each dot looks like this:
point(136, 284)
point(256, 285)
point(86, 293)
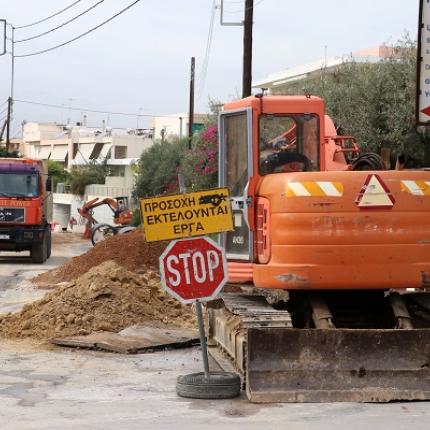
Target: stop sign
point(193, 269)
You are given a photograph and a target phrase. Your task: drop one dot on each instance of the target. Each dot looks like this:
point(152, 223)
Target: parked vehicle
point(330, 260)
point(25, 207)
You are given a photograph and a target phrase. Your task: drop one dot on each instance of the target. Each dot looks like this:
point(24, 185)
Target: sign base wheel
point(219, 385)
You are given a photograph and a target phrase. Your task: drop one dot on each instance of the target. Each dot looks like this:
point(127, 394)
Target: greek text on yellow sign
point(185, 215)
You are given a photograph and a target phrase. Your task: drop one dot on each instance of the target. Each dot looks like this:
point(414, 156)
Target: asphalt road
point(51, 388)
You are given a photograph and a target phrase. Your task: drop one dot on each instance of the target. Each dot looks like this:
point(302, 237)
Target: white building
point(79, 145)
point(175, 125)
point(274, 82)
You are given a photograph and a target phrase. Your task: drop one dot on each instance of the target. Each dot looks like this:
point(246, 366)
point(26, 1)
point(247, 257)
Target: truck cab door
point(235, 171)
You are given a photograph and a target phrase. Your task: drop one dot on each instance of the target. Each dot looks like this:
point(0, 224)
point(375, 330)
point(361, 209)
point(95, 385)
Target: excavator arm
point(122, 217)
point(86, 210)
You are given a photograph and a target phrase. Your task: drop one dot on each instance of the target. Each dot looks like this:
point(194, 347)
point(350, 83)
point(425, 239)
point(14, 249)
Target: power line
point(80, 109)
point(62, 25)
point(208, 49)
point(49, 17)
point(81, 35)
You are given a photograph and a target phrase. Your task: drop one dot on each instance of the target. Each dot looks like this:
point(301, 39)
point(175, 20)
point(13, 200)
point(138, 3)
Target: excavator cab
point(121, 211)
point(258, 140)
point(329, 264)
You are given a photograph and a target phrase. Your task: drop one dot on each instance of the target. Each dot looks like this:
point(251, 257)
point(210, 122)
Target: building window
point(97, 150)
point(116, 171)
point(120, 152)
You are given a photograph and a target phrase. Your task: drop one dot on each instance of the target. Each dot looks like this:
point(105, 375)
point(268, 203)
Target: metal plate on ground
point(133, 340)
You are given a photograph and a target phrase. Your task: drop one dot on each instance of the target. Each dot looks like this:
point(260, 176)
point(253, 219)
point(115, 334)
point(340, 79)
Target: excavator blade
point(337, 365)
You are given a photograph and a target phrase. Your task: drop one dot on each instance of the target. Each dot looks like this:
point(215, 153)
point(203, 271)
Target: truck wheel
point(39, 251)
point(48, 243)
point(220, 385)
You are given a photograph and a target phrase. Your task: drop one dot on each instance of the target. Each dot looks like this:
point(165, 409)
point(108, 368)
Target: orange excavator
point(122, 217)
point(329, 261)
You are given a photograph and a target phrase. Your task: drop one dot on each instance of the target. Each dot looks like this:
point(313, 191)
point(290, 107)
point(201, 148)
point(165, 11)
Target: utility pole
point(247, 48)
point(9, 108)
point(180, 127)
point(191, 114)
point(12, 74)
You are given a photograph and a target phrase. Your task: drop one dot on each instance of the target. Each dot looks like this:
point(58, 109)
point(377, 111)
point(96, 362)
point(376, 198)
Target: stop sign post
point(194, 270)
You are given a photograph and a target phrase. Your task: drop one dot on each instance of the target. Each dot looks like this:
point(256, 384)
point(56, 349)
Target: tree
point(158, 168)
point(200, 164)
point(93, 173)
point(5, 154)
point(58, 174)
point(375, 102)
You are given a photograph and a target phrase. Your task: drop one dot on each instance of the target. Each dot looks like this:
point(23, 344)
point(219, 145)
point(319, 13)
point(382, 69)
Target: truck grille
point(12, 214)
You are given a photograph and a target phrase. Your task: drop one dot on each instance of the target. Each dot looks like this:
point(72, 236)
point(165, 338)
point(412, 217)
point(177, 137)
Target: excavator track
point(228, 326)
point(279, 363)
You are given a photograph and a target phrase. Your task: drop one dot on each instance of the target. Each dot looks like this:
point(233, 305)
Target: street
point(46, 387)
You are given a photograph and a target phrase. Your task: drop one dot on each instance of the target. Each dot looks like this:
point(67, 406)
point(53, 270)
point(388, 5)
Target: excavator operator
point(284, 158)
point(121, 208)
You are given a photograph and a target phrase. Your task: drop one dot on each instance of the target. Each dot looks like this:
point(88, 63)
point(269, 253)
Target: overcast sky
point(139, 62)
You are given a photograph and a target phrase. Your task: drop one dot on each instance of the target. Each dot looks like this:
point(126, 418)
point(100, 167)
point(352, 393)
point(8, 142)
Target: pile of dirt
point(106, 298)
point(129, 250)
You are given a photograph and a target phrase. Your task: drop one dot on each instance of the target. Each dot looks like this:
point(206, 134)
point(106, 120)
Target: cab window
point(288, 143)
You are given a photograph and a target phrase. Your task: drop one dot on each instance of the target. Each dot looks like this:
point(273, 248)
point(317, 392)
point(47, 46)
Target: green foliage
point(92, 173)
point(375, 102)
point(137, 220)
point(57, 173)
point(200, 165)
point(158, 168)
point(160, 164)
point(5, 154)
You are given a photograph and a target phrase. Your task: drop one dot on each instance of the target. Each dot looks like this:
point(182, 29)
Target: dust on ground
point(106, 298)
point(64, 238)
point(128, 250)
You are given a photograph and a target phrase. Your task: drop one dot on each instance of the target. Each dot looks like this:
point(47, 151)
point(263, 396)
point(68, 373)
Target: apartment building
point(77, 145)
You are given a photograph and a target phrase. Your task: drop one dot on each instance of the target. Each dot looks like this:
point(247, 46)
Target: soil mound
point(128, 250)
point(106, 298)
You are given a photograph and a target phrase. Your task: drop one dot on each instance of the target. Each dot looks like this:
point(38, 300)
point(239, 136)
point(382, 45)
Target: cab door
point(235, 172)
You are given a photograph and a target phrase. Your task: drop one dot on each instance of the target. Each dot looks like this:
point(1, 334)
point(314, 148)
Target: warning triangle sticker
point(374, 194)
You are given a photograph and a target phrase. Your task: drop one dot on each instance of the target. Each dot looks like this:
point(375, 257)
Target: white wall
point(172, 124)
point(135, 144)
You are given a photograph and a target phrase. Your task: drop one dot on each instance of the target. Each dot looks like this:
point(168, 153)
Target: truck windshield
point(289, 143)
point(19, 185)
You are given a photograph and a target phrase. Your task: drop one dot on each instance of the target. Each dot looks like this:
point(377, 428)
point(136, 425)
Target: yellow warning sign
point(185, 215)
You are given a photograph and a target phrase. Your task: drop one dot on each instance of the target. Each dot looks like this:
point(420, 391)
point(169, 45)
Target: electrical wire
point(205, 65)
point(62, 25)
point(80, 109)
point(81, 35)
point(48, 17)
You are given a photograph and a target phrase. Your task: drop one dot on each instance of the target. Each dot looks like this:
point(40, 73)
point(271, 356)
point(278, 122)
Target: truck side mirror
point(48, 184)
